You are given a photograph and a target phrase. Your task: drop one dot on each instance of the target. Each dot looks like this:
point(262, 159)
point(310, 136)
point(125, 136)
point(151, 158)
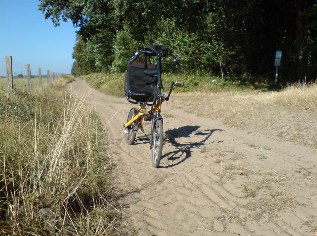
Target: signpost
point(277, 63)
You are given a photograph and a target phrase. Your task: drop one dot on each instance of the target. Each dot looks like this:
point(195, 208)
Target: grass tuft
point(53, 166)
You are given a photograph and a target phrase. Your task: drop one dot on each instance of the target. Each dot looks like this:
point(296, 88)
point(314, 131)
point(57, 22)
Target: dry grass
point(21, 84)
point(53, 167)
point(267, 196)
point(108, 83)
point(287, 115)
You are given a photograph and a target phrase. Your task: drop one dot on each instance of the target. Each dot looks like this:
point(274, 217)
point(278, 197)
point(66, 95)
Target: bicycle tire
point(157, 141)
point(132, 129)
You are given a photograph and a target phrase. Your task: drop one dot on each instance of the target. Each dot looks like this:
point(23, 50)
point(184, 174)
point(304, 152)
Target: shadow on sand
point(183, 150)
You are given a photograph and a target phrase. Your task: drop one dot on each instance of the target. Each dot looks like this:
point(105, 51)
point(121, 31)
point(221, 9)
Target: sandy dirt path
point(213, 180)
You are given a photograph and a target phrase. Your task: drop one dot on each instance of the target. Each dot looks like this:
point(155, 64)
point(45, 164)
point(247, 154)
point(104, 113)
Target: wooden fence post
point(40, 77)
point(48, 76)
point(9, 75)
point(28, 76)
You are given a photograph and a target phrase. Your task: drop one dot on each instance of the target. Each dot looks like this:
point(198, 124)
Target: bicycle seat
point(140, 96)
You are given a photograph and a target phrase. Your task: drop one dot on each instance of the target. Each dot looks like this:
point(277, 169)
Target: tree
point(223, 37)
point(93, 49)
point(84, 59)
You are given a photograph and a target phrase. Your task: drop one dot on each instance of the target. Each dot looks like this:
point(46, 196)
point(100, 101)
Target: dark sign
point(278, 57)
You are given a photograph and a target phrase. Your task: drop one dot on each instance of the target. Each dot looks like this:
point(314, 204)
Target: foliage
point(124, 47)
point(85, 61)
point(221, 37)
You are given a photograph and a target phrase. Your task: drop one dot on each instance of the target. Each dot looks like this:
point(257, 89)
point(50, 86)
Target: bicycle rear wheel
point(133, 128)
point(157, 141)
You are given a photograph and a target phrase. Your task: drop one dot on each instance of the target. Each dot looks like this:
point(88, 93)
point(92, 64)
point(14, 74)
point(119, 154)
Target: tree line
point(232, 39)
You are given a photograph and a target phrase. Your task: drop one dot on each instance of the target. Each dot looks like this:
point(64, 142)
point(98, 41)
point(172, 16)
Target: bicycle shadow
point(183, 151)
point(143, 139)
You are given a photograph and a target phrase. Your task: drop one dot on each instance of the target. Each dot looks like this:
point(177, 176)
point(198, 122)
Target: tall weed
point(53, 167)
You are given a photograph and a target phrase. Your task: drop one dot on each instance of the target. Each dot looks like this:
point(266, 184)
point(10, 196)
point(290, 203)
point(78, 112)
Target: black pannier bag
point(140, 81)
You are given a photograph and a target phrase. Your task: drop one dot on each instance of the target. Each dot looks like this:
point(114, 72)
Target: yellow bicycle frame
point(143, 112)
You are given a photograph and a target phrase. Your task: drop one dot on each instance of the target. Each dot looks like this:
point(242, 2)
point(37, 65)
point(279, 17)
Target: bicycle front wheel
point(132, 129)
point(157, 141)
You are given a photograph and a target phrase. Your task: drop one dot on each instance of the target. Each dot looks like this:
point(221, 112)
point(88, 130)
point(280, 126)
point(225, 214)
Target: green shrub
point(124, 47)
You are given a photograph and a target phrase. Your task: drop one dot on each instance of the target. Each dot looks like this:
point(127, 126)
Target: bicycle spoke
point(157, 142)
point(132, 129)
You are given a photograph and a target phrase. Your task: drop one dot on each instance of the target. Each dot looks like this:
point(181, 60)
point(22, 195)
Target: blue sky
point(30, 39)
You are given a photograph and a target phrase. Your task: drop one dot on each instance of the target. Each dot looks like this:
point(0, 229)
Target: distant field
point(22, 83)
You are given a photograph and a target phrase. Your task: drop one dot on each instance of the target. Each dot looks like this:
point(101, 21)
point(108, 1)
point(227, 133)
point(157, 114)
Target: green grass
point(53, 166)
point(108, 83)
point(207, 83)
point(113, 83)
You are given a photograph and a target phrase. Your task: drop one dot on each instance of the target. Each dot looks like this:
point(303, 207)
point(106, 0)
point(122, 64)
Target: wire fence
point(17, 74)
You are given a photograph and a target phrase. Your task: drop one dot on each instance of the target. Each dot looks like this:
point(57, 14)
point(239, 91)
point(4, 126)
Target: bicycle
point(143, 86)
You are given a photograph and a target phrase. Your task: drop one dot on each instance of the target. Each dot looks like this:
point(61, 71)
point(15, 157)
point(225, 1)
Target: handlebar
point(176, 84)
